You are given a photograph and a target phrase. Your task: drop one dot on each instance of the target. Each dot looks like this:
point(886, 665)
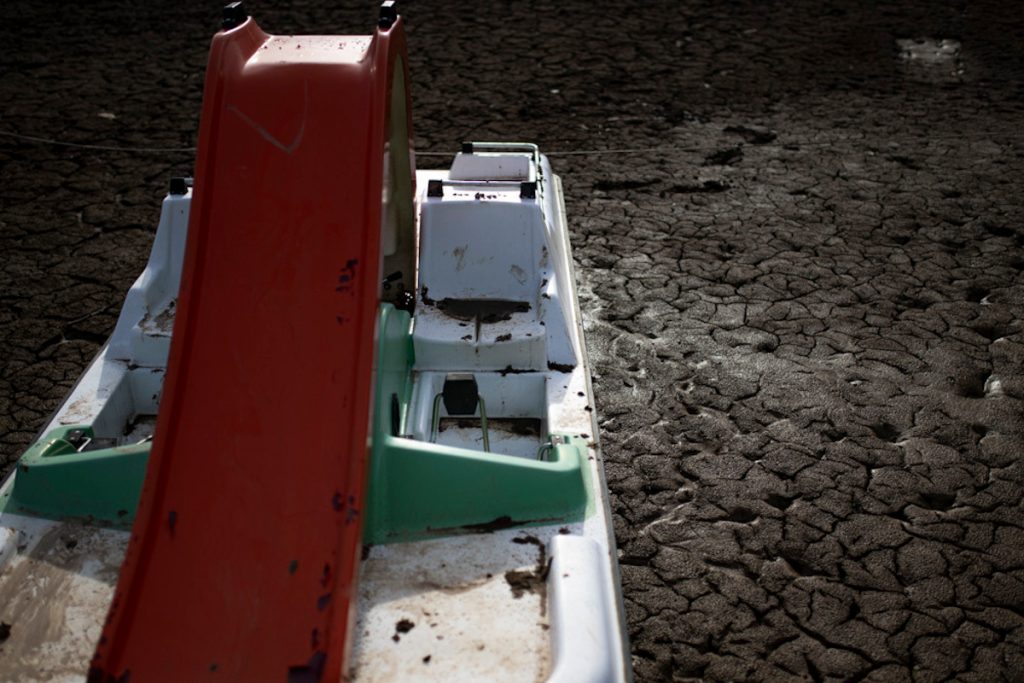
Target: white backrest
point(487, 166)
point(481, 249)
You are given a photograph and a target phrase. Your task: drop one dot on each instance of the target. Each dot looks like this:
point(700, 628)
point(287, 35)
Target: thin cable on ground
point(628, 150)
point(103, 148)
point(112, 148)
point(554, 153)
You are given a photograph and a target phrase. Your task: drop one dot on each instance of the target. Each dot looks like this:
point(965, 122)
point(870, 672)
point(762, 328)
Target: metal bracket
point(555, 440)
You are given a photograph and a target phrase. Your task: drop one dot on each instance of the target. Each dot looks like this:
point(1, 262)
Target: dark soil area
point(804, 304)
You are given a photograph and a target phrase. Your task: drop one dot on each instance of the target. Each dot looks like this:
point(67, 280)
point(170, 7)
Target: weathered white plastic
point(487, 248)
point(8, 544)
point(143, 332)
point(487, 242)
point(56, 583)
point(126, 378)
point(490, 166)
point(564, 340)
point(584, 641)
point(439, 342)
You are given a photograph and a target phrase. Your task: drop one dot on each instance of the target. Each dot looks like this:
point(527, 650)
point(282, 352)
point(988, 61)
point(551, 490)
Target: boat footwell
point(57, 582)
point(521, 605)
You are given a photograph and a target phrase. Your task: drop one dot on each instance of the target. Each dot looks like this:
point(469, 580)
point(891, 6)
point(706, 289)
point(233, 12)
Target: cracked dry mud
point(804, 311)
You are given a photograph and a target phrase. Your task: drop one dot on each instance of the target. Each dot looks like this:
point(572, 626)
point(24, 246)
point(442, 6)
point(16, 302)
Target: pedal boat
point(477, 519)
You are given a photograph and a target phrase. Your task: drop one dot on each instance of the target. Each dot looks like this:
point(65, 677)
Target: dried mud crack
point(804, 302)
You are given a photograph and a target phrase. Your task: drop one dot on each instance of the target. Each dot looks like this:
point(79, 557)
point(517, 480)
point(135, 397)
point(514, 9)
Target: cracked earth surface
point(804, 310)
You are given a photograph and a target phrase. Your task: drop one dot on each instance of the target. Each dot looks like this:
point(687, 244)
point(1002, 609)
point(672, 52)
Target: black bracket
point(234, 16)
point(461, 394)
point(77, 438)
point(394, 277)
point(178, 186)
point(388, 14)
point(435, 188)
point(396, 415)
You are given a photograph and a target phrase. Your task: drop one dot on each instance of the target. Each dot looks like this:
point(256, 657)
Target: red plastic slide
point(242, 563)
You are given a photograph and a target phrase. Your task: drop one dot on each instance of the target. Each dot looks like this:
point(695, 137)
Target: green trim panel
point(54, 481)
point(421, 490)
point(415, 489)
